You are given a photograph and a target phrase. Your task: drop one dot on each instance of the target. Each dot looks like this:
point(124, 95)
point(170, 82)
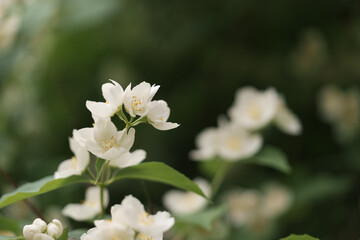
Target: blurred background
point(55, 55)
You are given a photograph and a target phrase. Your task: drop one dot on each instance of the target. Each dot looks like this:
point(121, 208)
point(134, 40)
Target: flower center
point(234, 143)
point(136, 104)
point(144, 237)
point(146, 219)
point(254, 110)
point(109, 143)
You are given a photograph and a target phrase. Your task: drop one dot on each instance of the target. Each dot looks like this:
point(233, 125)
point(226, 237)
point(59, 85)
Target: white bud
point(42, 236)
point(40, 224)
point(55, 228)
point(29, 231)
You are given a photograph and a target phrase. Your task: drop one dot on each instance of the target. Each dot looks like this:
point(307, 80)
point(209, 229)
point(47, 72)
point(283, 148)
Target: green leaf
point(159, 172)
point(209, 168)
point(270, 157)
point(10, 238)
point(204, 218)
point(76, 234)
point(65, 234)
point(99, 166)
point(38, 187)
point(299, 237)
point(7, 224)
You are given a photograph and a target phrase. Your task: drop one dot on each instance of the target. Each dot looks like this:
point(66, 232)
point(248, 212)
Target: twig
point(28, 203)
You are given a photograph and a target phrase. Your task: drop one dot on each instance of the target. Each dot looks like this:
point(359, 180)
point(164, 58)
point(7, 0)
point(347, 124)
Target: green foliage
point(299, 237)
point(41, 186)
point(99, 166)
point(65, 234)
point(204, 218)
point(11, 225)
point(271, 157)
point(76, 234)
point(159, 172)
point(268, 156)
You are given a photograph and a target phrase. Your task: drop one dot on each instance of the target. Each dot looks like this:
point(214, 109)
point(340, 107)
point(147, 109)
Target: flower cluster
point(39, 230)
point(249, 207)
point(238, 138)
point(133, 106)
point(129, 220)
point(342, 109)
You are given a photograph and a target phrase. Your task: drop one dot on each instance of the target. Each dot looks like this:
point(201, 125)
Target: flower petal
point(100, 109)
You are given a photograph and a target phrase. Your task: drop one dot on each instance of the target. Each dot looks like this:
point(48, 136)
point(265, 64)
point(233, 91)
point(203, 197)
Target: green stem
point(219, 177)
point(90, 173)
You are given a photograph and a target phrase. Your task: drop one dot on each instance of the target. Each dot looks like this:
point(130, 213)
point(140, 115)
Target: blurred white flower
point(114, 96)
point(182, 203)
point(342, 109)
point(8, 28)
point(254, 109)
point(77, 164)
point(206, 143)
point(256, 209)
point(131, 213)
point(158, 115)
point(243, 206)
point(106, 142)
point(236, 143)
point(276, 200)
point(89, 208)
point(55, 229)
point(137, 100)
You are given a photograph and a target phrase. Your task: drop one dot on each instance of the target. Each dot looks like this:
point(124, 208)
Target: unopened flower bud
point(40, 224)
point(55, 229)
point(29, 231)
point(42, 236)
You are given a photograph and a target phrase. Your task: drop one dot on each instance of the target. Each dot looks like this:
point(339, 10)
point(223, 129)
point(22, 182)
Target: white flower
point(109, 232)
point(276, 200)
point(342, 109)
point(235, 143)
point(89, 208)
point(131, 213)
point(54, 229)
point(106, 142)
point(77, 164)
point(206, 143)
point(114, 96)
point(182, 203)
point(29, 231)
point(40, 224)
point(137, 100)
point(158, 115)
point(243, 206)
point(42, 236)
point(254, 109)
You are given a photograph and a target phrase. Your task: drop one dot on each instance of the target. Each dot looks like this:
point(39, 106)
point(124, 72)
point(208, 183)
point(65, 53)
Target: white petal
point(129, 159)
point(104, 128)
point(287, 121)
point(66, 169)
point(165, 125)
point(80, 212)
point(126, 140)
point(100, 109)
point(92, 195)
point(153, 91)
point(113, 93)
point(158, 111)
point(42, 236)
